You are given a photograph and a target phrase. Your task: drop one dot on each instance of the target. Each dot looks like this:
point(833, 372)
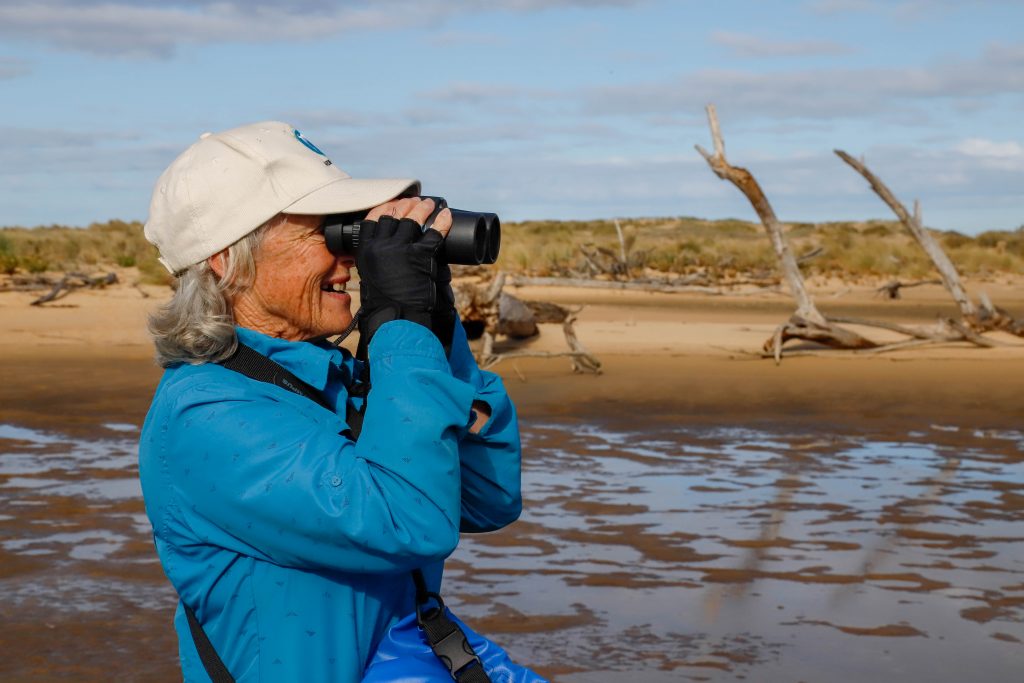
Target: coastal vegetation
point(719, 251)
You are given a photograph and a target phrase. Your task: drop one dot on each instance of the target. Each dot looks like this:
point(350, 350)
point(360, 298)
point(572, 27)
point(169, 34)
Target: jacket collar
point(309, 361)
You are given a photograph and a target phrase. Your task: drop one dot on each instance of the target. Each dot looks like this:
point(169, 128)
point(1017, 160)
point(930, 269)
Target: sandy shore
point(683, 356)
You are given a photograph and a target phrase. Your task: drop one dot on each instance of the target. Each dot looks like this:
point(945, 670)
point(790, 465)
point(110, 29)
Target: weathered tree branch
point(72, 281)
point(748, 185)
point(947, 271)
point(501, 313)
point(891, 289)
point(979, 319)
point(807, 322)
point(587, 283)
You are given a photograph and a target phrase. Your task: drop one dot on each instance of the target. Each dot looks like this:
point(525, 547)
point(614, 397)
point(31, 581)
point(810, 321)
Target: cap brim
point(346, 195)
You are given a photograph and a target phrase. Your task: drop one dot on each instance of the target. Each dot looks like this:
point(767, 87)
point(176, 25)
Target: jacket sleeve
point(491, 459)
point(268, 479)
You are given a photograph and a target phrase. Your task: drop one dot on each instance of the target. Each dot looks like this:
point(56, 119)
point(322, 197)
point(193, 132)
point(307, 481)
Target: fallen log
point(515, 318)
point(891, 290)
point(585, 283)
point(488, 309)
point(72, 281)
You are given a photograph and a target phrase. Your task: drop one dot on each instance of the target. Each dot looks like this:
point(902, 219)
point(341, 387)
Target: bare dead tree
point(807, 322)
point(979, 319)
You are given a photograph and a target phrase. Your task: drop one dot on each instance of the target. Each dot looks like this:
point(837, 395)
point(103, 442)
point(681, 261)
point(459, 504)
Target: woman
point(291, 542)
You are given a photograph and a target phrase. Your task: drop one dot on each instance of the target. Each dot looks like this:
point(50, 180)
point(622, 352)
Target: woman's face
point(299, 290)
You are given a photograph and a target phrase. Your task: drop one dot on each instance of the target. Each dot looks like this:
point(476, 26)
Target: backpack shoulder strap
point(254, 365)
point(215, 668)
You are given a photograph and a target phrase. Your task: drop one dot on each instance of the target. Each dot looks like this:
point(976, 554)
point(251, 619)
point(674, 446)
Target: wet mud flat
point(648, 548)
point(852, 532)
point(667, 553)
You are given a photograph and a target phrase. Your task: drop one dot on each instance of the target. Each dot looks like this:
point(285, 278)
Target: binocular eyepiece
point(474, 239)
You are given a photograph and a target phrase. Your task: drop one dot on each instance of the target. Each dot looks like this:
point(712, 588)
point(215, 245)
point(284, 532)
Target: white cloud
point(906, 93)
point(746, 45)
point(155, 29)
point(980, 147)
point(1005, 156)
point(900, 10)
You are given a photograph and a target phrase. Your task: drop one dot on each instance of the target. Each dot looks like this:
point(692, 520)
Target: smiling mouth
point(335, 287)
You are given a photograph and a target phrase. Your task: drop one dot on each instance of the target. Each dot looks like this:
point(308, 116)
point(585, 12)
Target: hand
point(398, 267)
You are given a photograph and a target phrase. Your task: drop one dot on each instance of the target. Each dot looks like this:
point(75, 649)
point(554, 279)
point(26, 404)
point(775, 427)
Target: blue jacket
point(294, 544)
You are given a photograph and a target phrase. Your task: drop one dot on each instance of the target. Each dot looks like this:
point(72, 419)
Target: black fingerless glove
point(398, 269)
point(442, 320)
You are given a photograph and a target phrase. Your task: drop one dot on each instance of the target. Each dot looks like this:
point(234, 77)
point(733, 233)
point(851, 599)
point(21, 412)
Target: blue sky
point(531, 108)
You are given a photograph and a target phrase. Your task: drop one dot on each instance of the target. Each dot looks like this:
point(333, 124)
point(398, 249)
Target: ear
point(219, 262)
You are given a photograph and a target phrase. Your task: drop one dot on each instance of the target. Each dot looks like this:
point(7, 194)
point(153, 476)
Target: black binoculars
point(474, 239)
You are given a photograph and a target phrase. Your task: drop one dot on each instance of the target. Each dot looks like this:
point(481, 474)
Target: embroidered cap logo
point(311, 147)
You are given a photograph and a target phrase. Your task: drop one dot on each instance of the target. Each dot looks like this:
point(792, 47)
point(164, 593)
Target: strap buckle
point(448, 641)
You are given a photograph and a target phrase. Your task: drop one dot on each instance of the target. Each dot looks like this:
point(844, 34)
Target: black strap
point(215, 668)
point(254, 365)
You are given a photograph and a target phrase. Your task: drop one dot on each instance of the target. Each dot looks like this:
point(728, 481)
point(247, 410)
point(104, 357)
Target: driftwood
point(977, 319)
point(807, 322)
point(72, 281)
point(810, 256)
point(603, 261)
point(891, 290)
point(587, 283)
point(492, 311)
point(515, 318)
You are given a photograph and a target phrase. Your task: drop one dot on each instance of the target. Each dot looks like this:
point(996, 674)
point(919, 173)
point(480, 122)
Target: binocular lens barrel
point(474, 238)
point(467, 240)
point(493, 226)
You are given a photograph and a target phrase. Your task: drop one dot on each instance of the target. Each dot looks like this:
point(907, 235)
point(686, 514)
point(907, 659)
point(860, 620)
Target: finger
point(387, 208)
point(421, 211)
point(367, 230)
point(408, 230)
point(443, 222)
point(404, 206)
point(430, 241)
point(386, 227)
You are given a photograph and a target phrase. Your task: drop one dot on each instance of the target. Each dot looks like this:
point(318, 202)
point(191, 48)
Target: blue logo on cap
point(307, 143)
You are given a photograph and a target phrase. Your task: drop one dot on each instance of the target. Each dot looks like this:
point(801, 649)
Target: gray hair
point(198, 324)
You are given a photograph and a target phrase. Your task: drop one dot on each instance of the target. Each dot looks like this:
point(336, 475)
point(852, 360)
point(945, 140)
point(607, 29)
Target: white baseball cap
point(228, 184)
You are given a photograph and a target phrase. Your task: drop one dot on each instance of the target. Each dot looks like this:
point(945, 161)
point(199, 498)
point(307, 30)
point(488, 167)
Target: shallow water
point(729, 554)
point(645, 549)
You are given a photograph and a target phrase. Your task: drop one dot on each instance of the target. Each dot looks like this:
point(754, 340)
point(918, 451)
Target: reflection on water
point(730, 553)
point(669, 553)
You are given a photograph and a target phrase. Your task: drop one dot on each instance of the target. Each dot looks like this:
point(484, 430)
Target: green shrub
point(8, 259)
point(877, 230)
point(952, 240)
point(679, 245)
point(34, 264)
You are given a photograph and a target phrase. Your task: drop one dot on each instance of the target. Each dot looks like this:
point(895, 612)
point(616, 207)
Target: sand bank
point(687, 356)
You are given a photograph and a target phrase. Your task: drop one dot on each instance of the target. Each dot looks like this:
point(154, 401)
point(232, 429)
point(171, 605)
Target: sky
point(534, 109)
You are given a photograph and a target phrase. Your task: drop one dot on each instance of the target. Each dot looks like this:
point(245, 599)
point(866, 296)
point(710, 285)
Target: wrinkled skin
point(292, 296)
